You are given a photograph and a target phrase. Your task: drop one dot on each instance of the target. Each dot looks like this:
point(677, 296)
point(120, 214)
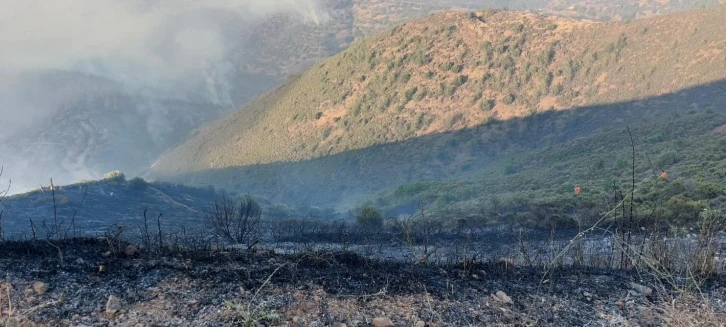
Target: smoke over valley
point(91, 86)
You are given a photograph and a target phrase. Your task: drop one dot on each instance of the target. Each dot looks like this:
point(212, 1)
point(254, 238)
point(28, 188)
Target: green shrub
point(508, 99)
point(668, 158)
point(137, 184)
point(487, 105)
point(369, 217)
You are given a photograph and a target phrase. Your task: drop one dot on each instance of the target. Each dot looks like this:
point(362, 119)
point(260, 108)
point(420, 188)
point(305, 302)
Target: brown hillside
point(457, 70)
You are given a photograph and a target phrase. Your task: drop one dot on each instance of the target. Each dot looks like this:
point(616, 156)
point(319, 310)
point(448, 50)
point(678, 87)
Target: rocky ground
point(215, 288)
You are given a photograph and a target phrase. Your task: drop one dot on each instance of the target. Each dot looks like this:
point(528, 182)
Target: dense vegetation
point(454, 71)
point(465, 97)
point(537, 187)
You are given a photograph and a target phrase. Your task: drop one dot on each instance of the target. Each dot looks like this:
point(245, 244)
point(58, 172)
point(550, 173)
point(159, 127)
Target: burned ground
point(237, 288)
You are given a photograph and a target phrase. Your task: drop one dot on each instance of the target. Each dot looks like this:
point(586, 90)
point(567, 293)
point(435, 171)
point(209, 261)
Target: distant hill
point(455, 71)
point(97, 205)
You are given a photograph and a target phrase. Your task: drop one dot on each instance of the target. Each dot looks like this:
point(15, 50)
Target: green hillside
point(537, 187)
point(454, 71)
point(491, 155)
point(455, 95)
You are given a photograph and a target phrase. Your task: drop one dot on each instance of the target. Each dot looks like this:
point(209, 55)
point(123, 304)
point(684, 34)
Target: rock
point(339, 324)
point(502, 297)
point(131, 251)
point(383, 322)
point(113, 305)
point(79, 261)
point(40, 288)
point(106, 254)
point(309, 306)
point(420, 323)
point(643, 290)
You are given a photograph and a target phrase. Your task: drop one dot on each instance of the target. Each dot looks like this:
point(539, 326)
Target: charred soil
point(261, 288)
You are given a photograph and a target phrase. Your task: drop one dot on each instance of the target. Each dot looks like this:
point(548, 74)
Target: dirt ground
point(216, 288)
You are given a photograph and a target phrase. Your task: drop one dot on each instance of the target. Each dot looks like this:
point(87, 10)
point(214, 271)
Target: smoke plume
point(64, 54)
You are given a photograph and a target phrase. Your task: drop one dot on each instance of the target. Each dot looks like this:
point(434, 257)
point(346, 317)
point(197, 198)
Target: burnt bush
point(236, 223)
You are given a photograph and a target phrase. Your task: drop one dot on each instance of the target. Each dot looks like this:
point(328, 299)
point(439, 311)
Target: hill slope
point(454, 71)
point(490, 154)
point(94, 206)
point(98, 99)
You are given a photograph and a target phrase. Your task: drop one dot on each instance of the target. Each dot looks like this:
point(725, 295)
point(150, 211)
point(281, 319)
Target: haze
point(64, 55)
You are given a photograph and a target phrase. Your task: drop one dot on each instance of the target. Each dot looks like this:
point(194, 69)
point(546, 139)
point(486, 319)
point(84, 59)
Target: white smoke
point(187, 50)
point(60, 33)
point(143, 44)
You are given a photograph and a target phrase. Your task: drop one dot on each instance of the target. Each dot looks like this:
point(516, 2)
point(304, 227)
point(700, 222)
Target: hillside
point(92, 207)
point(290, 45)
point(536, 187)
point(454, 71)
point(81, 111)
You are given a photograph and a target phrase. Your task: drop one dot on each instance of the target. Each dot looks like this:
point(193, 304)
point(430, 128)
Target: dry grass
point(689, 310)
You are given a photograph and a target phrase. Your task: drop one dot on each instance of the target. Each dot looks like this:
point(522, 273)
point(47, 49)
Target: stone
point(40, 288)
point(113, 305)
point(420, 323)
point(131, 251)
point(79, 261)
point(339, 324)
point(383, 322)
point(502, 297)
point(643, 290)
point(309, 306)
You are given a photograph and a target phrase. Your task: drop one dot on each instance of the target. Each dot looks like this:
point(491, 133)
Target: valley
point(363, 163)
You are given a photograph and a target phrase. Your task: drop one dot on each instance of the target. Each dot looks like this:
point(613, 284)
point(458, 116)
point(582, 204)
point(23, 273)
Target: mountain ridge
point(487, 62)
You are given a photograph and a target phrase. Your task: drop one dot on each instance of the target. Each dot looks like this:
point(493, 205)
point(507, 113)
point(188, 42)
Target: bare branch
point(235, 223)
point(75, 212)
